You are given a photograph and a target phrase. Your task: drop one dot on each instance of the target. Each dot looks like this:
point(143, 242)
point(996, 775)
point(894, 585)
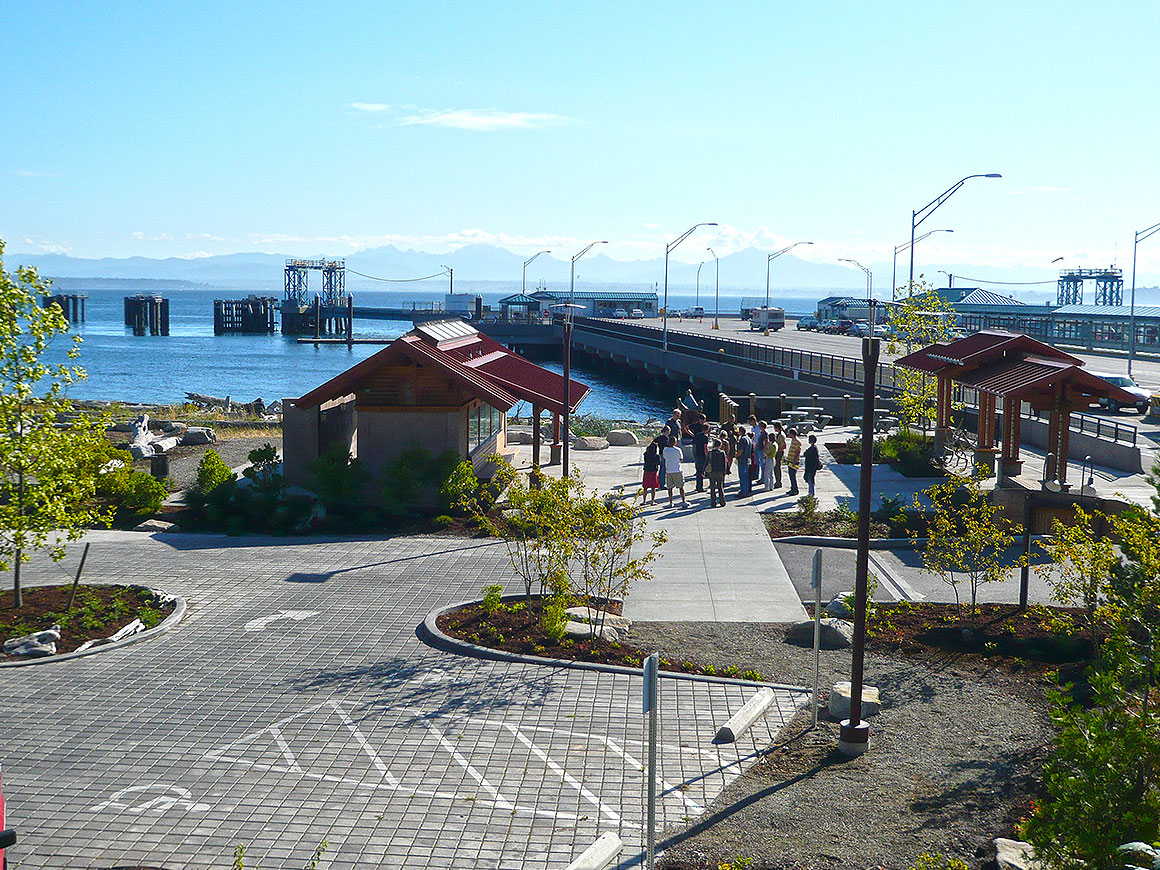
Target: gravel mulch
point(953, 760)
point(183, 461)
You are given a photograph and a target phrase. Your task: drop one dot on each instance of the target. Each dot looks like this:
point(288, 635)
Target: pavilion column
point(1010, 464)
point(942, 414)
point(1051, 460)
point(985, 451)
point(536, 411)
point(557, 446)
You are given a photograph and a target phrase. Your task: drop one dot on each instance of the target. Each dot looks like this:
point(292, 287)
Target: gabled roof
point(1106, 311)
point(978, 296)
point(1016, 378)
point(519, 299)
point(977, 349)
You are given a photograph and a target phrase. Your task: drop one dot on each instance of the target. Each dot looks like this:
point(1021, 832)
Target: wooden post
point(536, 411)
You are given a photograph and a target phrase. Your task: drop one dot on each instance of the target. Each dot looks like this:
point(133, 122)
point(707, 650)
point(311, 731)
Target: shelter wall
point(384, 434)
point(308, 432)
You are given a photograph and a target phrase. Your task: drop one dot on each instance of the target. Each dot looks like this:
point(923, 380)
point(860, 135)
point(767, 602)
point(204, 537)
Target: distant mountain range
point(741, 273)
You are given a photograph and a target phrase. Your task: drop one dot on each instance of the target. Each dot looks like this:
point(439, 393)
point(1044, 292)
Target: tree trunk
point(17, 592)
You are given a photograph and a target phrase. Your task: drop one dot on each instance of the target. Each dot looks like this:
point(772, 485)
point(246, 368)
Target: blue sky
point(162, 129)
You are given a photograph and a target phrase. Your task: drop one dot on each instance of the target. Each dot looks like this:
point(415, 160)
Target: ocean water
point(161, 369)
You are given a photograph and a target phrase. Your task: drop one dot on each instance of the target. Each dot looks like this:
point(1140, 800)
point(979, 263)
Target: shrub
point(442, 521)
point(414, 479)
point(132, 494)
point(212, 472)
point(491, 598)
point(554, 617)
point(338, 479)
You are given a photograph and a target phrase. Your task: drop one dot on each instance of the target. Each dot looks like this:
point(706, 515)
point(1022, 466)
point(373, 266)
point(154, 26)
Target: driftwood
point(201, 400)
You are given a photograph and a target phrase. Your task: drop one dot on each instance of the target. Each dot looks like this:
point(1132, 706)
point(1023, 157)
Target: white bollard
point(741, 721)
point(600, 854)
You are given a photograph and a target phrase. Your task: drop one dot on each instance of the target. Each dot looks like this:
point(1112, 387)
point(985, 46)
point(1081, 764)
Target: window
point(483, 422)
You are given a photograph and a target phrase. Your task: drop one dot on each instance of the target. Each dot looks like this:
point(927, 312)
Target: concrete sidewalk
point(719, 564)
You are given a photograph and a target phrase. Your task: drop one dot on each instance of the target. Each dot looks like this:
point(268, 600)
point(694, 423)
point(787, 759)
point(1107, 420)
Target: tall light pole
point(668, 250)
point(568, 312)
point(528, 262)
point(450, 279)
point(769, 260)
point(697, 298)
point(717, 304)
point(898, 249)
point(869, 291)
point(950, 278)
point(917, 217)
point(1140, 236)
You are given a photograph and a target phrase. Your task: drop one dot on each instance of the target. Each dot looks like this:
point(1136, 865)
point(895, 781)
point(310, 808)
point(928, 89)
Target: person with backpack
point(674, 479)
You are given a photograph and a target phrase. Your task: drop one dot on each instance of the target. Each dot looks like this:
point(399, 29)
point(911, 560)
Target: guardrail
point(827, 366)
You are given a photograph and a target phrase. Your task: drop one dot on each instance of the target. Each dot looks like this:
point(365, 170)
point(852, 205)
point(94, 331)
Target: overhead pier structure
point(1109, 286)
point(328, 314)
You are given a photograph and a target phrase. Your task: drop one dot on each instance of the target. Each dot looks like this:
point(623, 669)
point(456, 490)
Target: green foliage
point(491, 598)
point(965, 539)
point(212, 472)
point(47, 474)
point(442, 521)
point(737, 862)
point(922, 318)
point(591, 424)
point(938, 861)
point(467, 495)
point(554, 617)
point(132, 493)
point(753, 675)
point(338, 480)
point(909, 451)
point(414, 479)
point(1080, 572)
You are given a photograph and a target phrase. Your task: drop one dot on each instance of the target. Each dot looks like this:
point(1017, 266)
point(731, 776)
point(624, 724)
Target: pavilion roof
point(1017, 378)
point(978, 349)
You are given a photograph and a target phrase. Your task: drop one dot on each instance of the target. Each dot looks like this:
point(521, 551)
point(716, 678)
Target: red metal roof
point(978, 349)
point(1017, 378)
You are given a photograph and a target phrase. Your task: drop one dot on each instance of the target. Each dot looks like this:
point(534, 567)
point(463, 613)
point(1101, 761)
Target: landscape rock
point(164, 445)
point(590, 442)
point(516, 437)
point(134, 627)
point(835, 634)
point(157, 526)
point(140, 451)
point(839, 705)
point(838, 607)
point(96, 641)
point(591, 616)
point(622, 438)
point(121, 427)
point(172, 426)
point(1015, 855)
point(36, 645)
point(33, 650)
point(195, 436)
point(585, 630)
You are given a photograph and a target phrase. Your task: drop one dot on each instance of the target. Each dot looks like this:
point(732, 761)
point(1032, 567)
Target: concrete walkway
point(719, 564)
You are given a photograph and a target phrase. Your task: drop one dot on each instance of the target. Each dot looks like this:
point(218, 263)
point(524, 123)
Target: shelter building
point(600, 303)
point(444, 386)
point(1006, 369)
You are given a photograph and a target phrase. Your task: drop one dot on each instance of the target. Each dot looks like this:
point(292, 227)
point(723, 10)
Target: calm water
point(161, 369)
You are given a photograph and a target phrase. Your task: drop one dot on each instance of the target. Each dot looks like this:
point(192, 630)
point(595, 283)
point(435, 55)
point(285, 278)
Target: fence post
point(784, 405)
point(846, 410)
point(753, 404)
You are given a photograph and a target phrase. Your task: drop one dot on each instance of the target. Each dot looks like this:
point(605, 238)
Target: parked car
point(842, 327)
point(1143, 397)
point(828, 325)
point(808, 322)
point(696, 311)
point(620, 314)
point(636, 314)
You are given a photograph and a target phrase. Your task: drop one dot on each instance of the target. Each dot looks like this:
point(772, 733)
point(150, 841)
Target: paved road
point(338, 725)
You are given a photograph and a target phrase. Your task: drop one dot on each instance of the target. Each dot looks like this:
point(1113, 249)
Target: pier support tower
point(72, 305)
point(147, 315)
point(330, 313)
point(253, 315)
point(1109, 286)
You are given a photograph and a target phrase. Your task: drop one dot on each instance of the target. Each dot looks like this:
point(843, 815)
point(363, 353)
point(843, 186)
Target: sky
point(162, 129)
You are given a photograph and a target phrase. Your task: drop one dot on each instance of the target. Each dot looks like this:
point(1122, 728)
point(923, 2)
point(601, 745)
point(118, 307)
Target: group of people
point(760, 452)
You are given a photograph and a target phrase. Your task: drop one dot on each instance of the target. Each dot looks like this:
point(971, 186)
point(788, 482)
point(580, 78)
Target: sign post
point(651, 666)
point(816, 582)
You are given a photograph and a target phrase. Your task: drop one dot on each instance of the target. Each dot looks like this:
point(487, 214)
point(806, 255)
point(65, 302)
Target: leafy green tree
point(48, 474)
point(920, 318)
point(966, 541)
point(1080, 573)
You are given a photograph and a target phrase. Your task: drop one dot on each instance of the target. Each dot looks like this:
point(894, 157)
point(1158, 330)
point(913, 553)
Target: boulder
point(835, 633)
point(36, 645)
point(1015, 855)
point(164, 445)
point(195, 436)
point(140, 451)
point(157, 526)
point(121, 427)
point(516, 437)
point(839, 705)
point(591, 616)
point(838, 607)
point(96, 641)
point(134, 627)
point(584, 630)
point(590, 442)
point(172, 426)
point(33, 650)
point(622, 438)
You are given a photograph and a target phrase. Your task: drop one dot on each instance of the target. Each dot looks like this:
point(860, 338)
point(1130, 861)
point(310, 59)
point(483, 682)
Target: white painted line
point(896, 586)
point(285, 747)
point(563, 774)
point(600, 854)
point(669, 790)
point(367, 748)
point(500, 801)
point(171, 796)
point(264, 621)
point(743, 719)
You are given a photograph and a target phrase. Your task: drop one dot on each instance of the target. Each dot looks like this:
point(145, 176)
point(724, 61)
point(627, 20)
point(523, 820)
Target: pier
point(72, 305)
point(328, 314)
point(147, 315)
point(253, 315)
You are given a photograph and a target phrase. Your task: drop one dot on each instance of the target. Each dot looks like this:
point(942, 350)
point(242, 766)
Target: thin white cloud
point(369, 107)
point(482, 120)
point(33, 173)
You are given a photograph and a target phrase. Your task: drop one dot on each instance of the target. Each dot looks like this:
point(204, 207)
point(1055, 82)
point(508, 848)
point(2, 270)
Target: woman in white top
point(674, 479)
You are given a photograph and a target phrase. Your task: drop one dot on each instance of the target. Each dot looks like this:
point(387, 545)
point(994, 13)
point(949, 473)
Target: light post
point(869, 291)
point(769, 260)
point(717, 304)
point(668, 250)
point(528, 262)
point(1140, 236)
point(568, 312)
point(450, 279)
point(917, 217)
point(898, 249)
point(697, 299)
point(950, 278)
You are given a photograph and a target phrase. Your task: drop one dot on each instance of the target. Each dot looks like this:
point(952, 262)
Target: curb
point(430, 633)
point(875, 543)
point(168, 624)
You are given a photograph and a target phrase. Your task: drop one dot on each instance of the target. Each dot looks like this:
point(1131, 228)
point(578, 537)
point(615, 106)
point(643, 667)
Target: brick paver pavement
point(333, 722)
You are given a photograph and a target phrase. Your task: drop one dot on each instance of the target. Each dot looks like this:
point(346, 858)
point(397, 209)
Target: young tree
point(1081, 569)
point(48, 474)
point(965, 540)
point(920, 318)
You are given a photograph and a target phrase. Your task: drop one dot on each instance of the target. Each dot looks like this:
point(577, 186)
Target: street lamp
point(668, 250)
point(917, 217)
point(569, 309)
point(717, 304)
point(697, 299)
point(528, 262)
point(1140, 236)
point(869, 290)
point(450, 279)
point(950, 278)
point(769, 260)
point(898, 249)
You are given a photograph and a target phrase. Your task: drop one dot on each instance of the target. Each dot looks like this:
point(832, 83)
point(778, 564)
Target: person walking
point(717, 473)
point(793, 457)
point(744, 458)
point(760, 439)
point(652, 468)
point(701, 453)
point(779, 453)
point(812, 463)
point(673, 477)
